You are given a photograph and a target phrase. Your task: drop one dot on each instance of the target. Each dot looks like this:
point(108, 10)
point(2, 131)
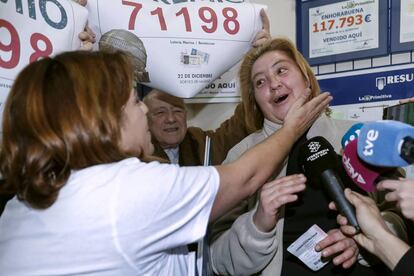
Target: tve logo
point(372, 136)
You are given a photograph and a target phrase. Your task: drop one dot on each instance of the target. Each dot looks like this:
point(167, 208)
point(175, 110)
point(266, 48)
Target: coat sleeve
point(228, 134)
point(241, 249)
point(237, 247)
point(405, 265)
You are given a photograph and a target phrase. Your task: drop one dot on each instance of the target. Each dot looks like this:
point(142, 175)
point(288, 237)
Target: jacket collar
point(323, 124)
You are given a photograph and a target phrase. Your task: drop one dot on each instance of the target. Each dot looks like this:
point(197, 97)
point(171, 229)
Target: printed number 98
point(14, 46)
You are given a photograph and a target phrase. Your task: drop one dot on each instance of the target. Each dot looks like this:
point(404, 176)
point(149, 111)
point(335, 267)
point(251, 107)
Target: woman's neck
point(270, 127)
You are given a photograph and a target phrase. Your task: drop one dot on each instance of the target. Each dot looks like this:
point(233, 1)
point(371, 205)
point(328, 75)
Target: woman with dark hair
point(254, 236)
point(74, 151)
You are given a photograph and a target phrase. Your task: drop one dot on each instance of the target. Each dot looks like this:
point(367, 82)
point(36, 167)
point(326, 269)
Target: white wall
point(282, 17)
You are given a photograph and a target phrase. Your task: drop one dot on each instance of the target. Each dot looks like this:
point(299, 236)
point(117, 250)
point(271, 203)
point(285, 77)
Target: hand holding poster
point(188, 44)
point(32, 29)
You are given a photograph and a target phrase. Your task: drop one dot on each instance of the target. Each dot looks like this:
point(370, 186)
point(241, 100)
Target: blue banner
point(370, 87)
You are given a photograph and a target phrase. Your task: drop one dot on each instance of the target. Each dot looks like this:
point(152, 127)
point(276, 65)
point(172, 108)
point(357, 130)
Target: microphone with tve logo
point(386, 144)
point(319, 161)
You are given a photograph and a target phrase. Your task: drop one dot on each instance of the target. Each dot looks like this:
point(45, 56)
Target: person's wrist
point(291, 132)
point(263, 222)
point(389, 248)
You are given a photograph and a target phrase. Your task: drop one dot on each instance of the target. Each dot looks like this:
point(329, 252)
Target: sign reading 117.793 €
point(337, 28)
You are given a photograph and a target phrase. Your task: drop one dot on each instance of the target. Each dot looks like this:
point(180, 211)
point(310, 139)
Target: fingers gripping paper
point(188, 44)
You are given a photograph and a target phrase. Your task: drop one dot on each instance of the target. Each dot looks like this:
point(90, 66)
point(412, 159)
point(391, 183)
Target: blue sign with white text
point(371, 87)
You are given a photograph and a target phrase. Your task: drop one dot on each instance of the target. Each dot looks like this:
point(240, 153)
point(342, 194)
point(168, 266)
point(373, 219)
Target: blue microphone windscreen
point(379, 143)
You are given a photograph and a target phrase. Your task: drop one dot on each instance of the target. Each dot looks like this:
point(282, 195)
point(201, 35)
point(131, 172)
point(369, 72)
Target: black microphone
point(320, 162)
